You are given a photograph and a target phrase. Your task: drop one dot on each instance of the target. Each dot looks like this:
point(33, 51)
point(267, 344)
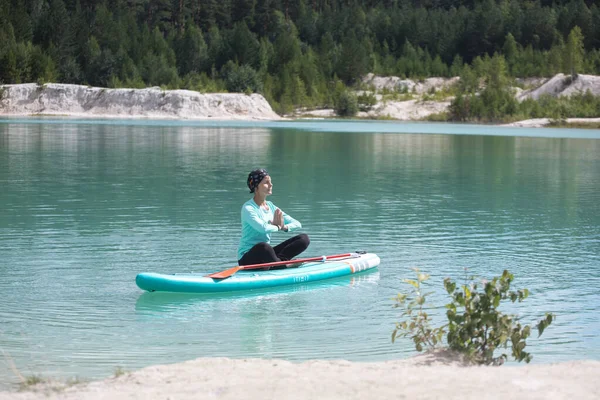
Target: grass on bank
point(119, 371)
point(39, 382)
point(36, 382)
point(30, 381)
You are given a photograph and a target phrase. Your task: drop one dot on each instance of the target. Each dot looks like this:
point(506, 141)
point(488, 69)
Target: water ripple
point(84, 208)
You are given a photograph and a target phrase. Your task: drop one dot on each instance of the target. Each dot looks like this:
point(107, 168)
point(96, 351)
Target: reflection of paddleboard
point(253, 279)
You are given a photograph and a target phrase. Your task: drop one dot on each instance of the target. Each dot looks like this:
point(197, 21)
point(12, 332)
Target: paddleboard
point(257, 279)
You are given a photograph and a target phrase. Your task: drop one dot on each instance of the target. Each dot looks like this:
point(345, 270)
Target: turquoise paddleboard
point(257, 279)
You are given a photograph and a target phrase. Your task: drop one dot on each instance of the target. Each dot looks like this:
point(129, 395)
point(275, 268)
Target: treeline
point(295, 52)
point(487, 95)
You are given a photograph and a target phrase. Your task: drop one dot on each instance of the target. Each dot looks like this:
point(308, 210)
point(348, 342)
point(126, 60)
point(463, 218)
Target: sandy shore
point(78, 101)
point(542, 122)
point(421, 377)
point(81, 101)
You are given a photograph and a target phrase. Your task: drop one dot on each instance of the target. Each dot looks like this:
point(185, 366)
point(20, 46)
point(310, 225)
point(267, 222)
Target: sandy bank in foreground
point(422, 377)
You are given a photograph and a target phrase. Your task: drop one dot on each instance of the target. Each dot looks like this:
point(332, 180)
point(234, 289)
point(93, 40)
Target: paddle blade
point(224, 274)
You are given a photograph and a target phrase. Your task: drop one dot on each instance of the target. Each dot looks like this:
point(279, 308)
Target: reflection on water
point(347, 126)
point(85, 207)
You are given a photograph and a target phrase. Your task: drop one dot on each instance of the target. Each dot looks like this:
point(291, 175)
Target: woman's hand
point(278, 219)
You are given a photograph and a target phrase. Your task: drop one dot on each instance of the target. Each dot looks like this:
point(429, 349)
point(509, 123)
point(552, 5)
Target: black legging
point(263, 252)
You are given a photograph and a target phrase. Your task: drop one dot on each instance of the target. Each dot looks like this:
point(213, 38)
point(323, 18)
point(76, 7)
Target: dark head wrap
point(255, 177)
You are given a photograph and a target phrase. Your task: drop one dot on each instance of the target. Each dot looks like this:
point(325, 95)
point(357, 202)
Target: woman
point(260, 218)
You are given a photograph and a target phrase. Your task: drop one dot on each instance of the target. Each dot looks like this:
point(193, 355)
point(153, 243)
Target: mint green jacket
point(256, 226)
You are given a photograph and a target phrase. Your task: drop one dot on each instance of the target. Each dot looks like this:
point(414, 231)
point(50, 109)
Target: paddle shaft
point(297, 261)
point(228, 272)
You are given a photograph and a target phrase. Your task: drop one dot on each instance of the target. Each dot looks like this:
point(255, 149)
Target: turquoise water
point(86, 205)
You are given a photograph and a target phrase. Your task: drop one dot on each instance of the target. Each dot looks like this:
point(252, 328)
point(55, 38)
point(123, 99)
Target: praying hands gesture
point(278, 220)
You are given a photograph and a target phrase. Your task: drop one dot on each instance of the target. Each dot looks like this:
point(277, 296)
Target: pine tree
point(159, 15)
point(328, 55)
point(510, 51)
point(43, 68)
point(309, 73)
point(457, 65)
point(216, 48)
point(263, 16)
point(243, 11)
point(287, 46)
point(181, 12)
point(265, 56)
point(354, 59)
point(594, 37)
point(8, 66)
point(244, 46)
point(497, 73)
point(192, 52)
point(574, 52)
point(21, 23)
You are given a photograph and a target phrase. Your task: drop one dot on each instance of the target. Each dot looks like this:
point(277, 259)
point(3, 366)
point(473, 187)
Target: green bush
point(346, 105)
point(437, 117)
point(460, 108)
point(476, 328)
point(240, 79)
point(366, 101)
point(417, 326)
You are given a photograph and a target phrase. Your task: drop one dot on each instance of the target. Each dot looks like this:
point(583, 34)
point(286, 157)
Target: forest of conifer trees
point(296, 53)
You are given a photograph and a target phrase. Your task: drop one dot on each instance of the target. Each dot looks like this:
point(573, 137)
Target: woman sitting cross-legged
point(260, 218)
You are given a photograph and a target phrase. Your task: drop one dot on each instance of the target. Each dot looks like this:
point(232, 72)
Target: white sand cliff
point(410, 110)
point(380, 83)
point(411, 102)
point(84, 101)
point(422, 377)
point(561, 85)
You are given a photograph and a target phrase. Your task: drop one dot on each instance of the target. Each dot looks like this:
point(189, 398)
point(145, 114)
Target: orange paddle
point(228, 272)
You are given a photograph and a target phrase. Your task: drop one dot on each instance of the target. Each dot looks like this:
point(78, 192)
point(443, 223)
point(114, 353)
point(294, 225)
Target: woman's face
point(265, 187)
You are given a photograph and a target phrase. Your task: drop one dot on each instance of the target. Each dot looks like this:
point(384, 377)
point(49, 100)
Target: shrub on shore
point(475, 328)
point(346, 105)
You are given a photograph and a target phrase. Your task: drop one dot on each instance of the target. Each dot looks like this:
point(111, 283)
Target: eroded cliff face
point(84, 101)
point(561, 85)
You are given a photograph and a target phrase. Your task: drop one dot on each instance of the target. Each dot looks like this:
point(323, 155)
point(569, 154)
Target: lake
point(85, 205)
